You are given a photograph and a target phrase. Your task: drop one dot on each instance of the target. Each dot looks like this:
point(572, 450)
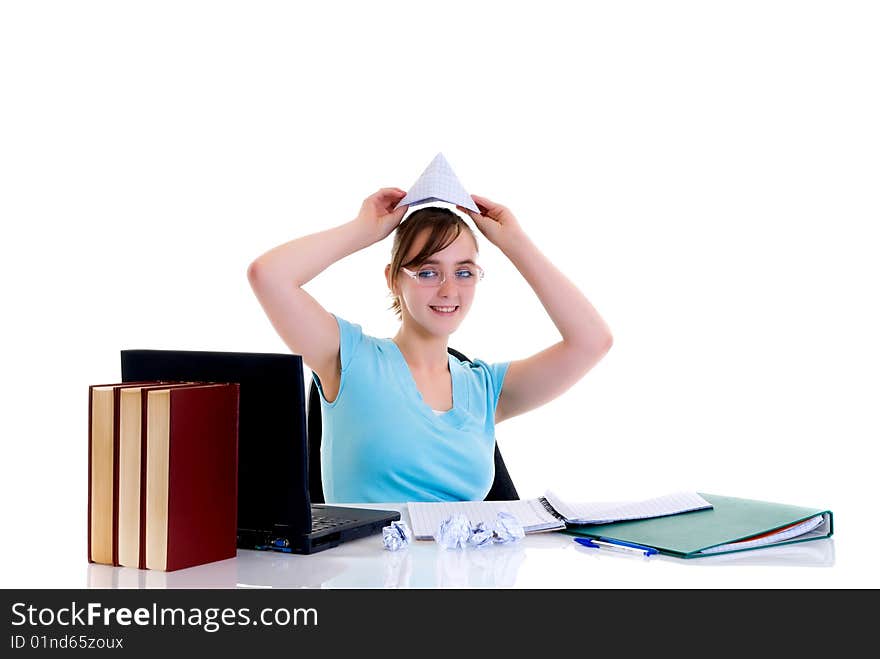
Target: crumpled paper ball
point(396, 536)
point(481, 536)
point(454, 532)
point(457, 532)
point(508, 528)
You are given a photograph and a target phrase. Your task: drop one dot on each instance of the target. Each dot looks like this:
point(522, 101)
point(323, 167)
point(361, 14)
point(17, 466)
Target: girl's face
point(438, 310)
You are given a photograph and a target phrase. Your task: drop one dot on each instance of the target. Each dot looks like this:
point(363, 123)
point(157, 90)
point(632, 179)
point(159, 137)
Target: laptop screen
point(273, 491)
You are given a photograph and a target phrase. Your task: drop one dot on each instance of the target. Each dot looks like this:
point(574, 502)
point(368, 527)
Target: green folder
point(686, 535)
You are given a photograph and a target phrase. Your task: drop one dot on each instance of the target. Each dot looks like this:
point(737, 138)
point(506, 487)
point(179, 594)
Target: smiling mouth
point(445, 311)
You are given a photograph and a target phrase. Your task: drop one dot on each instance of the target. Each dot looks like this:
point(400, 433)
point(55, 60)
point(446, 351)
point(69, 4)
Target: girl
point(403, 420)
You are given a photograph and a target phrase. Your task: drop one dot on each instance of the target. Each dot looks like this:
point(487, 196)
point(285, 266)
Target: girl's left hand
point(494, 221)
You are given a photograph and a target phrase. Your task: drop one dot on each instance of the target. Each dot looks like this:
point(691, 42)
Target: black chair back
point(502, 487)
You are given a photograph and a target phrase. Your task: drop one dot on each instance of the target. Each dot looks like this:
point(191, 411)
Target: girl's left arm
point(536, 380)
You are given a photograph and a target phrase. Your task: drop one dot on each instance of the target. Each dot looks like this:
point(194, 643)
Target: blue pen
point(647, 550)
point(616, 545)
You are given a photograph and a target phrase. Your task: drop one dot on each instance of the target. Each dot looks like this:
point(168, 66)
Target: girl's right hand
point(378, 214)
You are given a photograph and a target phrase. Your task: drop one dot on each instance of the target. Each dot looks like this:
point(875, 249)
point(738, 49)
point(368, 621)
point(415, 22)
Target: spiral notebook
point(549, 512)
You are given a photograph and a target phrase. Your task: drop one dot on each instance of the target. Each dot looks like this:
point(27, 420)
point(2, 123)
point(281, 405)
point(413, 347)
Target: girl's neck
point(423, 352)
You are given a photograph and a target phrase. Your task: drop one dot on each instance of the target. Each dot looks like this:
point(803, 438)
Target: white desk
point(543, 560)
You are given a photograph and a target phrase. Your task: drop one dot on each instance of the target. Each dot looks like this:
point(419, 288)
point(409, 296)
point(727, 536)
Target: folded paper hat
point(438, 183)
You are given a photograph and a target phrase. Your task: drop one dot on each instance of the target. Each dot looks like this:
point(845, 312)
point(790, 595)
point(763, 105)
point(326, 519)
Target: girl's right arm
point(277, 277)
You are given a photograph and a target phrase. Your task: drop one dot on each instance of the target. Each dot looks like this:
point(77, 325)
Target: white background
point(706, 173)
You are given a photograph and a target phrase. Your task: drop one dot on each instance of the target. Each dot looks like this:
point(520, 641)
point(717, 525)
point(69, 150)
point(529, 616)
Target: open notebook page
point(616, 511)
point(425, 517)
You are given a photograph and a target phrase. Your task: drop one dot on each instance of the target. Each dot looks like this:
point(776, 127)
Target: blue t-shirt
point(383, 444)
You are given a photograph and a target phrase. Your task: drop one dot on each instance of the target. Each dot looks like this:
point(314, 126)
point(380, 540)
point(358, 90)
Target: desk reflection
point(365, 563)
point(250, 569)
point(422, 565)
point(495, 566)
point(220, 574)
point(814, 553)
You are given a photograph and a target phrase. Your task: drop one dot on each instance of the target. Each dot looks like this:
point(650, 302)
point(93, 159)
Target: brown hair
point(444, 227)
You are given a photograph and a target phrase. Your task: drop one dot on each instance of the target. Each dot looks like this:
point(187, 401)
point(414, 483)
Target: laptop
point(274, 509)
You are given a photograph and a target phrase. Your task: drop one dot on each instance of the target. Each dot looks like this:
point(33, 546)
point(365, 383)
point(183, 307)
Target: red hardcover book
point(103, 459)
point(191, 475)
point(132, 449)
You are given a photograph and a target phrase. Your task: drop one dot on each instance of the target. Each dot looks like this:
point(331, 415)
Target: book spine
point(142, 531)
point(236, 397)
point(89, 485)
point(117, 394)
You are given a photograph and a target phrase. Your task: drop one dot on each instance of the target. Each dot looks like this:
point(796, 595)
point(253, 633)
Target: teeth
point(445, 309)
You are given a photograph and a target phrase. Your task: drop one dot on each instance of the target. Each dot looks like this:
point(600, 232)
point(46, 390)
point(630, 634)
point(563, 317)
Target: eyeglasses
point(428, 277)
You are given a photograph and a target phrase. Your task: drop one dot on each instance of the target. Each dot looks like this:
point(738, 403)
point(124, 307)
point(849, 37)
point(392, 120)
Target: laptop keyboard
point(322, 522)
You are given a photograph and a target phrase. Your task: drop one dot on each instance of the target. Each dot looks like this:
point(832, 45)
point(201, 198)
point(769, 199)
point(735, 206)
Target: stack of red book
point(163, 473)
